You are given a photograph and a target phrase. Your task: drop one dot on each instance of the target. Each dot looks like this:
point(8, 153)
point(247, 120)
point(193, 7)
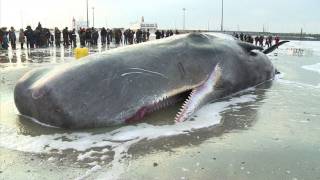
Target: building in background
point(144, 26)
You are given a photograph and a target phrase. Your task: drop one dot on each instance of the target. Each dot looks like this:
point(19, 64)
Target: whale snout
point(36, 101)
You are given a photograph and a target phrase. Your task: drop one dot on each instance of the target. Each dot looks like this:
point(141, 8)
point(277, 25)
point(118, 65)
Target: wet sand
point(268, 132)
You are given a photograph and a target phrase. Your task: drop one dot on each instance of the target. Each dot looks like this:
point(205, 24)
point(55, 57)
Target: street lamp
point(222, 16)
point(184, 19)
point(92, 16)
point(87, 15)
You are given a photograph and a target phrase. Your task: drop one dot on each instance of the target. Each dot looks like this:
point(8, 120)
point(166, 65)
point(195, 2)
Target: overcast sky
point(253, 15)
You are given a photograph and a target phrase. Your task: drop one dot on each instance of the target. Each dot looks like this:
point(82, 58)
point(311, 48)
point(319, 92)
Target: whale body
point(126, 84)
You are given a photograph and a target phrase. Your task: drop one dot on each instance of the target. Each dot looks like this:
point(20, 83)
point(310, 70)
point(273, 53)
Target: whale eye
point(38, 93)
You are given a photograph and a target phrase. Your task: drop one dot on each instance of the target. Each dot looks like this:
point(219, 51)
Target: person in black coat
point(12, 38)
point(30, 37)
point(57, 37)
point(162, 34)
point(88, 36)
point(117, 36)
point(158, 34)
point(82, 36)
point(103, 35)
point(95, 36)
point(65, 36)
point(148, 35)
point(73, 38)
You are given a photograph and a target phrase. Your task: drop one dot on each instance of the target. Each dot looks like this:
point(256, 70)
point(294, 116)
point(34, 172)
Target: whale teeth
point(183, 113)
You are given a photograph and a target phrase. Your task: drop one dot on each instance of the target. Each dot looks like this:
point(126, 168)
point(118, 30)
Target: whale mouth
point(193, 99)
point(182, 97)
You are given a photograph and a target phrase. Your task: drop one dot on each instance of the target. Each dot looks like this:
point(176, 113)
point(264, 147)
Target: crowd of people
point(42, 37)
point(163, 34)
point(39, 37)
point(258, 40)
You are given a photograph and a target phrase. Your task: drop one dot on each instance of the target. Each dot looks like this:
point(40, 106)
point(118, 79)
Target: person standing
point(103, 35)
point(144, 36)
point(65, 36)
point(88, 36)
point(261, 38)
point(94, 37)
point(162, 34)
point(22, 39)
point(270, 40)
point(241, 36)
point(57, 37)
point(1, 38)
point(138, 36)
point(148, 35)
point(82, 35)
point(267, 42)
point(256, 40)
point(30, 39)
point(170, 33)
point(125, 36)
point(117, 37)
point(5, 38)
point(236, 35)
point(277, 39)
point(158, 34)
point(73, 38)
point(12, 38)
point(39, 36)
point(130, 36)
point(167, 33)
point(109, 37)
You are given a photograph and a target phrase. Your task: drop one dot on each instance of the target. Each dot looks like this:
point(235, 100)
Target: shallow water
point(268, 132)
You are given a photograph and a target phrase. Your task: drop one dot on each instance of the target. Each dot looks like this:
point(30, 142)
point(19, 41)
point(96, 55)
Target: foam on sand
point(119, 141)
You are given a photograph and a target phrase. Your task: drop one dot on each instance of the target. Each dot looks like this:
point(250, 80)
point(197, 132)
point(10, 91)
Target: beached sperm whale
point(125, 84)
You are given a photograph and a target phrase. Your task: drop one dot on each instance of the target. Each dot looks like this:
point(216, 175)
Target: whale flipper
point(249, 47)
point(272, 48)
